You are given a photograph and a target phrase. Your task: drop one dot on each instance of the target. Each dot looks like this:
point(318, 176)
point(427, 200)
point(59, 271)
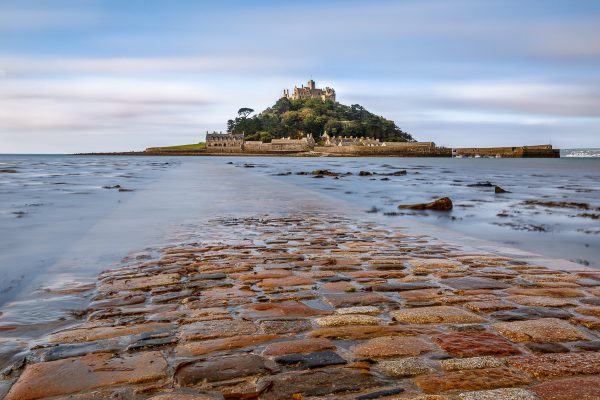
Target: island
point(310, 122)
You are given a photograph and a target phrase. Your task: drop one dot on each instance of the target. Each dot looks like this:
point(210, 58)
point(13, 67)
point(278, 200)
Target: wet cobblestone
point(318, 307)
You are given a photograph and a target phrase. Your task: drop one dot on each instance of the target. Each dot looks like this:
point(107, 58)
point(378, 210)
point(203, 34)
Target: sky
point(120, 75)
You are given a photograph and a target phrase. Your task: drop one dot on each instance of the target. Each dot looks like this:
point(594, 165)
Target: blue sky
point(102, 75)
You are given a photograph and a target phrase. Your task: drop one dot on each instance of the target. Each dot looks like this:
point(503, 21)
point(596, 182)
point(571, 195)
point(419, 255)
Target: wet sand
point(281, 295)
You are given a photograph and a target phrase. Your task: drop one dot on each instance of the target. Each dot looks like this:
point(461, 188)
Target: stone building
point(306, 143)
point(289, 145)
point(225, 142)
point(310, 92)
point(349, 141)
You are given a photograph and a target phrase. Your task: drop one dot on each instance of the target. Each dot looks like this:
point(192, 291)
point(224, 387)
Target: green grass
point(195, 146)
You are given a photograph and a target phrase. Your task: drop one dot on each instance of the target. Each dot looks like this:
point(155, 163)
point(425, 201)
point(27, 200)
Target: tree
point(295, 117)
point(244, 112)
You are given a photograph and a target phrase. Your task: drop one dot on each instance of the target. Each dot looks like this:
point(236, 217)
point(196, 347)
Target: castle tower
point(311, 84)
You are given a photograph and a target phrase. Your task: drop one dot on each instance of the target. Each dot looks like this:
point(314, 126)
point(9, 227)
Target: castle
point(310, 92)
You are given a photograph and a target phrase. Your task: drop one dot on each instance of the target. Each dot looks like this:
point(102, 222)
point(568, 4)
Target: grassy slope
point(195, 146)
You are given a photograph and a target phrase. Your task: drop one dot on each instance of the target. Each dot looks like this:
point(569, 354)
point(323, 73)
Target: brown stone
point(369, 331)
point(473, 379)
point(539, 330)
point(222, 369)
point(489, 306)
point(144, 282)
point(283, 309)
point(298, 346)
point(356, 299)
point(580, 388)
point(280, 327)
point(287, 281)
point(105, 332)
point(71, 375)
point(234, 342)
point(558, 364)
point(593, 311)
point(436, 264)
point(550, 292)
point(218, 329)
point(298, 385)
point(347, 319)
point(388, 346)
point(474, 282)
point(542, 301)
point(420, 294)
point(378, 274)
point(265, 274)
point(588, 322)
point(436, 315)
point(470, 344)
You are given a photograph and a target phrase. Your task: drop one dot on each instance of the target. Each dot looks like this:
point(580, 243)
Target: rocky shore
point(314, 306)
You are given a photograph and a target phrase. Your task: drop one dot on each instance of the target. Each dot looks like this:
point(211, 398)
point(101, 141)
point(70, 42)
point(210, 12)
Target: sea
point(66, 218)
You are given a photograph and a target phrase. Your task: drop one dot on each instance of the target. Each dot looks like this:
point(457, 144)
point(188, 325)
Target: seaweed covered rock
point(441, 204)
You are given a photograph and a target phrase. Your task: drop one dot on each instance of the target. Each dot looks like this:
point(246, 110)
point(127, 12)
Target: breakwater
point(540, 151)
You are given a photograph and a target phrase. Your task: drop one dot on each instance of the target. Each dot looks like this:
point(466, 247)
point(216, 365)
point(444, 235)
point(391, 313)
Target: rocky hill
point(295, 118)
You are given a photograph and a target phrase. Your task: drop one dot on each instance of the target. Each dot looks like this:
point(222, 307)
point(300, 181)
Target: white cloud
point(137, 65)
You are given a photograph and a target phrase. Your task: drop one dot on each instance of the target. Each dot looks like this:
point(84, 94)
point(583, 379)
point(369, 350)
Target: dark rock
point(530, 313)
point(112, 187)
point(482, 184)
point(558, 204)
point(593, 301)
point(467, 328)
point(498, 190)
point(384, 179)
point(317, 383)
point(547, 347)
point(336, 278)
point(216, 275)
point(78, 349)
point(374, 210)
point(125, 190)
point(148, 343)
point(8, 171)
point(365, 173)
point(170, 297)
point(471, 282)
point(222, 369)
point(588, 346)
point(311, 360)
point(441, 204)
point(401, 172)
point(380, 393)
point(440, 357)
point(324, 172)
point(400, 286)
point(318, 176)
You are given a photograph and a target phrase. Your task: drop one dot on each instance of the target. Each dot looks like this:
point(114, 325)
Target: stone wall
point(541, 151)
point(400, 151)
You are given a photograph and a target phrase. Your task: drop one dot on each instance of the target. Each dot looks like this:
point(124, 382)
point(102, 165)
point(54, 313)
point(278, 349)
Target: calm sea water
point(63, 219)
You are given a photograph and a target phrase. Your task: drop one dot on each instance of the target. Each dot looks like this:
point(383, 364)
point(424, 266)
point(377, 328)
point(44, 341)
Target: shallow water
point(555, 231)
point(61, 227)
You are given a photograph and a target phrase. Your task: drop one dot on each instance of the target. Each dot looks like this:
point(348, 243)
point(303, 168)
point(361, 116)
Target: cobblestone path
point(319, 307)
